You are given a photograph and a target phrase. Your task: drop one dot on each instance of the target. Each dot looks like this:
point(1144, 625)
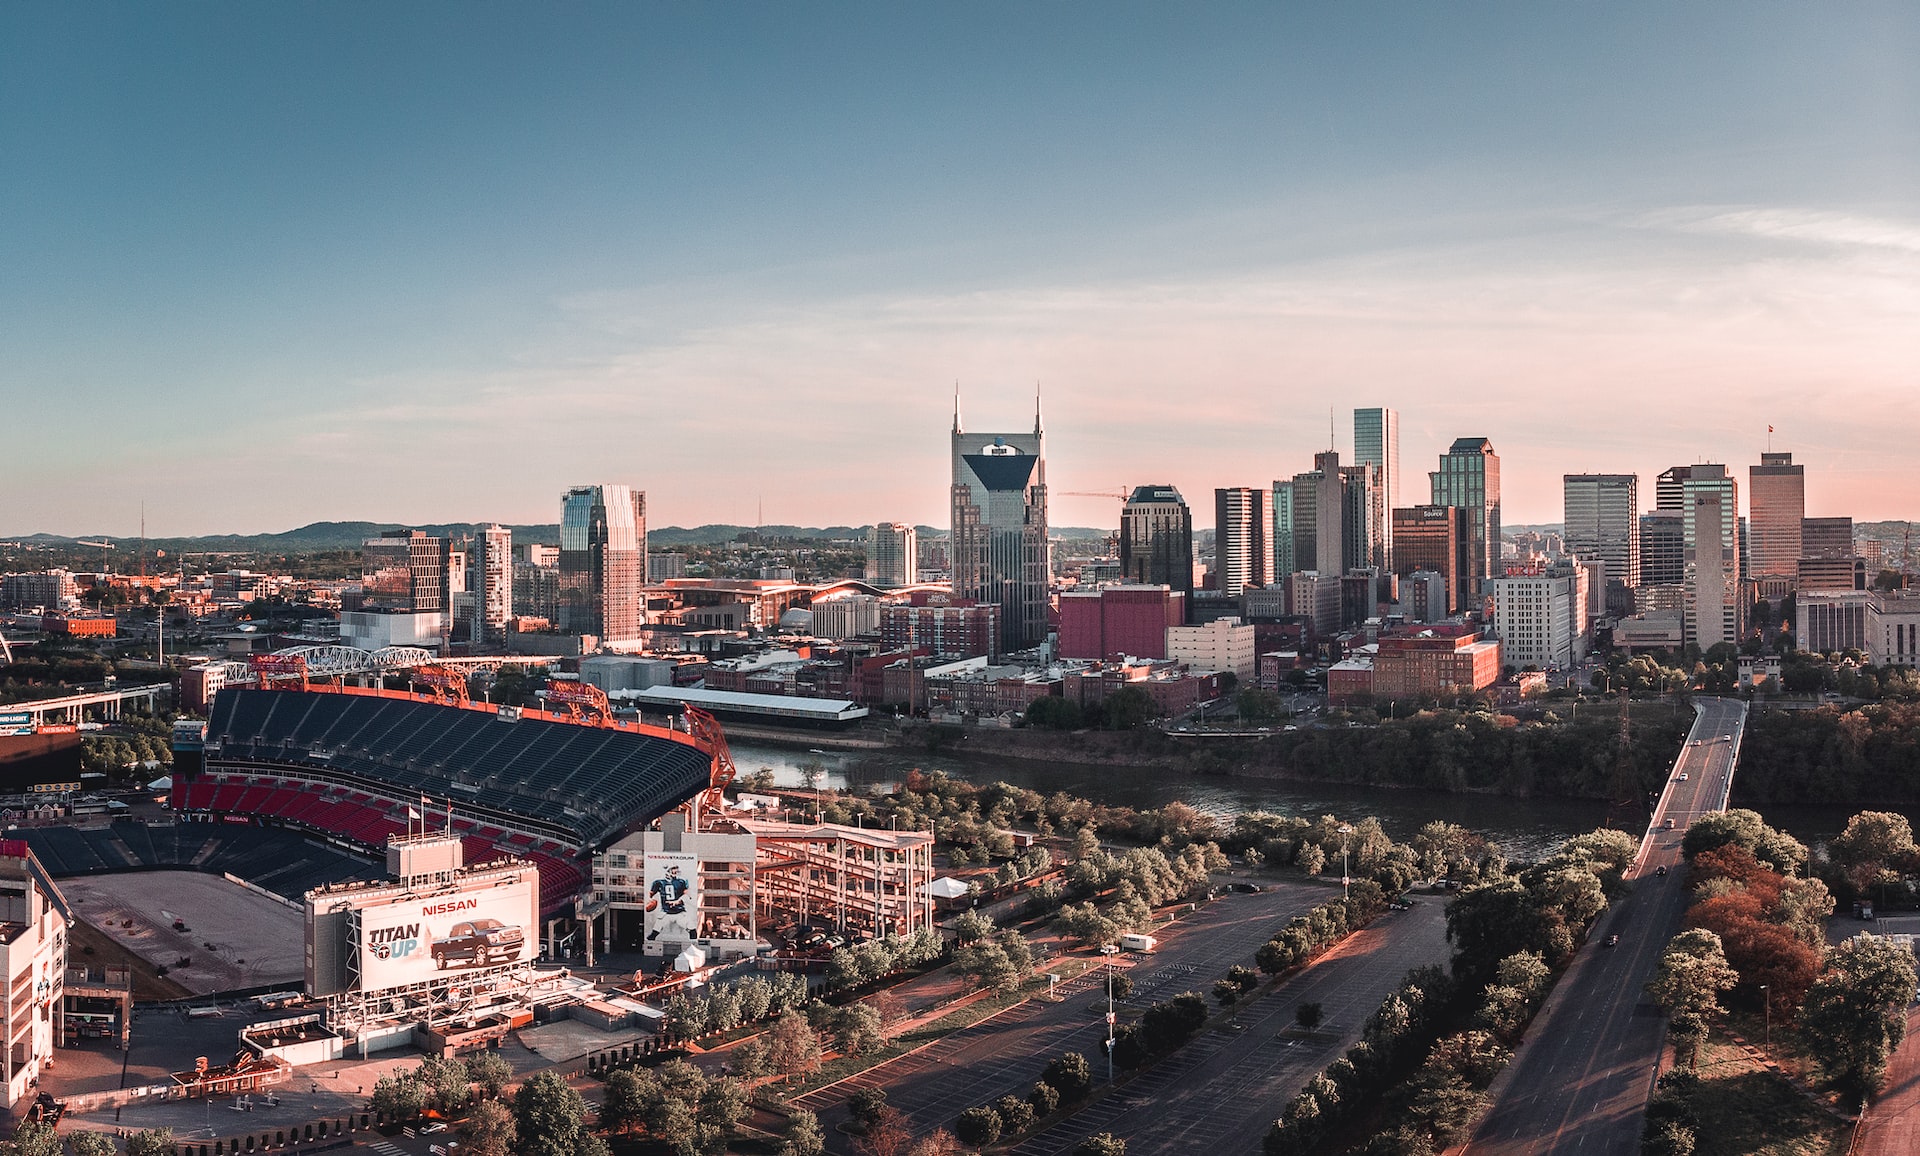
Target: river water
point(1523, 828)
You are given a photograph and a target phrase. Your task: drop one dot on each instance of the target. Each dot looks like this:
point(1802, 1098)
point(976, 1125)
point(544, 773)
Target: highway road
point(1580, 1080)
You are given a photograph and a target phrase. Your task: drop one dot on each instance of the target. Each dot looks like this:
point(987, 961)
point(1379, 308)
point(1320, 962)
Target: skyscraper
point(893, 554)
point(1434, 539)
point(1669, 488)
point(1376, 442)
point(1710, 527)
point(1281, 504)
point(1663, 548)
point(1241, 556)
point(1156, 540)
point(999, 538)
point(603, 561)
point(404, 573)
point(1469, 477)
point(492, 584)
point(1363, 537)
point(1776, 504)
point(1601, 513)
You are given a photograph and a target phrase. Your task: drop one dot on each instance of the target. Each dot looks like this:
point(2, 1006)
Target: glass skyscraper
point(1469, 477)
point(1376, 442)
point(1000, 551)
point(603, 561)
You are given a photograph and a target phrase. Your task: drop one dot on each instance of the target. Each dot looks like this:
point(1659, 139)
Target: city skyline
point(739, 260)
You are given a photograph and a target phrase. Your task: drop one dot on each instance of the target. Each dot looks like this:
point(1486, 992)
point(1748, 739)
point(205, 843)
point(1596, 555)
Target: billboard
point(418, 939)
point(673, 896)
point(16, 723)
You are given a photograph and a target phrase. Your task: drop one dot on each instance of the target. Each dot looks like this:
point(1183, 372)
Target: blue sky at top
point(266, 264)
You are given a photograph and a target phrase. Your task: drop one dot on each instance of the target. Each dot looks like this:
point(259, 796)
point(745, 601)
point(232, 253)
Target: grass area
point(1785, 1044)
point(1747, 1110)
point(107, 952)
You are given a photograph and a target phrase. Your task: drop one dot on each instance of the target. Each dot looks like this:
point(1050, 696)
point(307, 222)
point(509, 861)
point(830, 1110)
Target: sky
point(263, 265)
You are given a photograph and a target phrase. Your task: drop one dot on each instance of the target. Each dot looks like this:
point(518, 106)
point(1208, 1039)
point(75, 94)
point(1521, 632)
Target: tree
point(547, 1116)
point(1016, 1115)
point(1044, 1098)
point(400, 1097)
point(792, 1047)
point(1308, 1016)
point(491, 1071)
point(1874, 842)
point(1101, 1144)
point(90, 1143)
point(803, 1136)
point(971, 926)
point(1128, 708)
point(1070, 1075)
point(446, 1083)
point(489, 1130)
point(34, 1138)
point(865, 1106)
point(1055, 713)
point(1856, 1014)
point(978, 1126)
point(1227, 994)
point(939, 1142)
point(1693, 972)
point(150, 1142)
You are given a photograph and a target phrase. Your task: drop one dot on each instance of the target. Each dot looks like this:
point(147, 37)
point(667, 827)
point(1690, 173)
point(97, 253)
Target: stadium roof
point(742, 703)
point(595, 781)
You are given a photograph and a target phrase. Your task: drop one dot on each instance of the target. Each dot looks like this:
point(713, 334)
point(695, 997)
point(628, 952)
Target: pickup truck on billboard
point(477, 943)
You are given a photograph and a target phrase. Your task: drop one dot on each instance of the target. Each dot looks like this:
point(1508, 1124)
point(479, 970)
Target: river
point(1523, 828)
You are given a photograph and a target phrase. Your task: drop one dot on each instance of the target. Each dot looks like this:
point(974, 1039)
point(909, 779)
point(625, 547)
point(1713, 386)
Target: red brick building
point(1119, 620)
point(1427, 665)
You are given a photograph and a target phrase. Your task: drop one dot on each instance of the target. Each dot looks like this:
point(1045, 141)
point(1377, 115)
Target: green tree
point(1308, 1016)
point(857, 1029)
point(1016, 1115)
point(1874, 843)
point(971, 926)
point(448, 1088)
point(803, 1136)
point(1227, 994)
point(491, 1071)
point(400, 1097)
point(978, 1126)
point(34, 1138)
point(150, 1142)
point(547, 1116)
point(1044, 1098)
point(1855, 1015)
point(1693, 972)
point(1055, 713)
point(1129, 708)
point(92, 1143)
point(1070, 1075)
point(489, 1129)
point(1101, 1144)
point(793, 1049)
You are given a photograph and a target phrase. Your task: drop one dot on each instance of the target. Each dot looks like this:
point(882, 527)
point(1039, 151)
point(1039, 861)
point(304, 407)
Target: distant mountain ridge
point(320, 536)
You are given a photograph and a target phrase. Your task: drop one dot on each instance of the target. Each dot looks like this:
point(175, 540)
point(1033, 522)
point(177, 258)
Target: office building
point(999, 529)
point(846, 616)
point(1362, 514)
point(1826, 538)
point(1120, 621)
point(893, 555)
point(1601, 513)
point(1539, 619)
point(1280, 502)
point(954, 628)
point(33, 960)
point(1376, 442)
point(1224, 644)
point(1434, 539)
point(603, 562)
point(1423, 597)
point(1324, 520)
point(404, 573)
point(1713, 607)
point(1241, 557)
point(1776, 505)
point(1883, 625)
point(1315, 597)
point(491, 588)
point(1663, 548)
point(1831, 572)
point(1670, 488)
point(1469, 477)
point(1426, 665)
point(1156, 540)
point(536, 582)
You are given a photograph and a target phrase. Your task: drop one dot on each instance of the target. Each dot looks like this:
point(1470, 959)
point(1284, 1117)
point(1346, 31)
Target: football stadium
point(361, 765)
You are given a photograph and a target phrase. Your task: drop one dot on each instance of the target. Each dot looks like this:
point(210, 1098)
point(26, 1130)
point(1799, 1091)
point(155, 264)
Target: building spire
point(956, 405)
point(1036, 409)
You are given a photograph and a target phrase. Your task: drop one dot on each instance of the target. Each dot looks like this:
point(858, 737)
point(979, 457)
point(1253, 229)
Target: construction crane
point(1118, 495)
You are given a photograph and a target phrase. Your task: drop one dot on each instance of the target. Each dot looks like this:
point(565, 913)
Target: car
point(1683, 776)
point(1669, 824)
point(1660, 870)
point(1244, 888)
point(477, 943)
point(432, 1126)
point(1613, 941)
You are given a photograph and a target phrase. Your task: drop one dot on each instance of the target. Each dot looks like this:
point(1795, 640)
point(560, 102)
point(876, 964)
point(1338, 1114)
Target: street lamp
point(1345, 880)
point(1767, 1005)
point(1109, 950)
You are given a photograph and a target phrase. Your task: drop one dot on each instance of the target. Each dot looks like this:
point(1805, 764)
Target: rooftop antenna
point(1769, 439)
point(1036, 409)
point(1330, 433)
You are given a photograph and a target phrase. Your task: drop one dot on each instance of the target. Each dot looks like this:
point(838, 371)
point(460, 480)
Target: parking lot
point(1006, 1054)
point(1220, 1092)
